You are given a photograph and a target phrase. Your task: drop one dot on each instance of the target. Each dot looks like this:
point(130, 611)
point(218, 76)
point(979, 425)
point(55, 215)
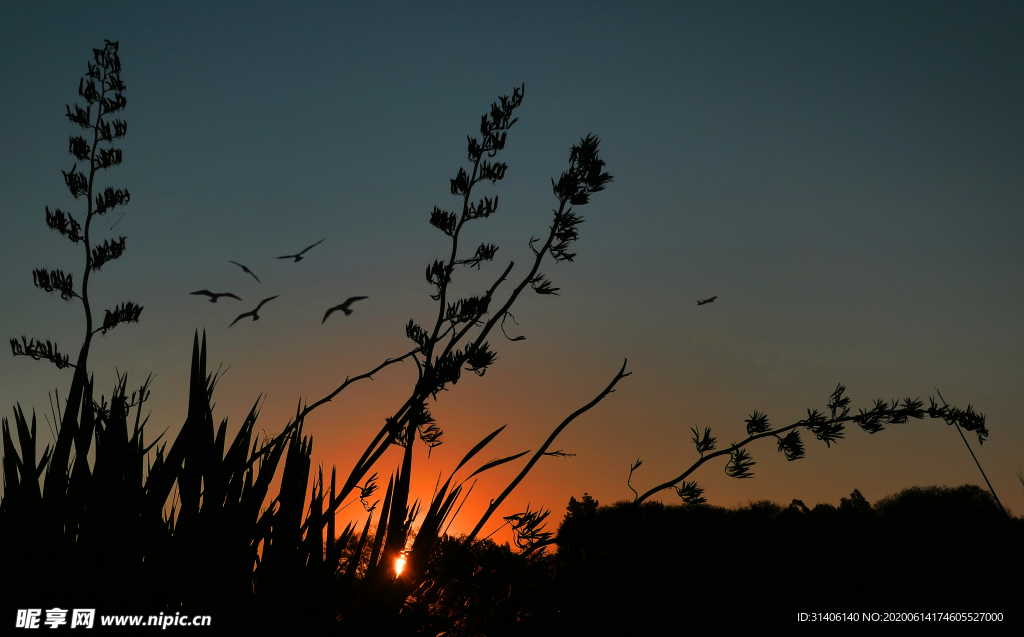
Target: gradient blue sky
point(847, 178)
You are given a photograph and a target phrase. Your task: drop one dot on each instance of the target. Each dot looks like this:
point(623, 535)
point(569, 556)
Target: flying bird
point(254, 314)
point(298, 257)
point(247, 270)
point(343, 307)
point(215, 295)
point(707, 300)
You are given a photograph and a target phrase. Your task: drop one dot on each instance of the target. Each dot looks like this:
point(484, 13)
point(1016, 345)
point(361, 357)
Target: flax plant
point(192, 525)
point(103, 92)
point(457, 341)
point(54, 513)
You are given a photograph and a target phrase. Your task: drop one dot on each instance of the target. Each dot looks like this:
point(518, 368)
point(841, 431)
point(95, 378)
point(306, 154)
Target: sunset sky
point(848, 180)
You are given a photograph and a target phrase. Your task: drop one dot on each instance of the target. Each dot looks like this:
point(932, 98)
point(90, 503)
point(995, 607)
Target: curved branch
point(622, 373)
point(871, 421)
point(349, 380)
point(723, 452)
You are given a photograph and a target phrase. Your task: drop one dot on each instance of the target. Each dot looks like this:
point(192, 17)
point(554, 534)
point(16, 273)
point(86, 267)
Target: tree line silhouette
point(699, 567)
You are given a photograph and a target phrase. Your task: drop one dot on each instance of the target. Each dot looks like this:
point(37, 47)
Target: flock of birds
point(344, 307)
point(213, 296)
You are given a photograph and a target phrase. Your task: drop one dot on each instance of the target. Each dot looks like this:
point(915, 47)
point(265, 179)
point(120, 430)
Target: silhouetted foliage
point(135, 525)
point(103, 92)
point(142, 526)
point(457, 341)
point(828, 428)
point(855, 504)
point(625, 568)
point(40, 350)
point(478, 588)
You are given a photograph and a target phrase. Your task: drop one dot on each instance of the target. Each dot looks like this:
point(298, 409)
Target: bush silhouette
point(698, 567)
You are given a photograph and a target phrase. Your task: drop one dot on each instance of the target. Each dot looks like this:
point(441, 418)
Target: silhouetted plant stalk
point(61, 518)
point(457, 341)
point(622, 373)
point(103, 91)
point(971, 451)
point(438, 356)
point(827, 428)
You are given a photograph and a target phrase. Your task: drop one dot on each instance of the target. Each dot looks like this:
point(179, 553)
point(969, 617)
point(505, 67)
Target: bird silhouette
point(247, 270)
point(343, 307)
point(707, 300)
point(254, 314)
point(298, 257)
point(215, 295)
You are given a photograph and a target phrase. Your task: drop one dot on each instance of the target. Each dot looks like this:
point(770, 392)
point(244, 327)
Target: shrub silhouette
point(689, 567)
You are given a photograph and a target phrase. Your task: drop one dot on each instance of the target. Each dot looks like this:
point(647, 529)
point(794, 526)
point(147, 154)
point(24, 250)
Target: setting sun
point(400, 564)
